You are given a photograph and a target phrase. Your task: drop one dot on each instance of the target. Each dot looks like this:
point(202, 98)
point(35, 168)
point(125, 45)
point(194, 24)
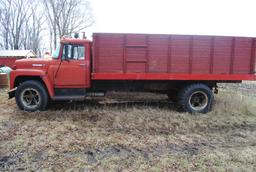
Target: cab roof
point(74, 40)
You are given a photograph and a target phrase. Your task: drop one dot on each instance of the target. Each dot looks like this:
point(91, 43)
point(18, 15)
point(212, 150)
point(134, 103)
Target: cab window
point(73, 52)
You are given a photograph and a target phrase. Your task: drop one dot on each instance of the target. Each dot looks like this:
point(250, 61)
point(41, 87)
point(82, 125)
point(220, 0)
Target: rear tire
point(31, 96)
point(196, 98)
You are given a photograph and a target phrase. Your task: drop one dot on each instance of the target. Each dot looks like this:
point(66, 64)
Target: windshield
point(55, 54)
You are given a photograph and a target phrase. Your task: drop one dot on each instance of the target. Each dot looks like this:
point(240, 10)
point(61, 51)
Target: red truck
point(185, 67)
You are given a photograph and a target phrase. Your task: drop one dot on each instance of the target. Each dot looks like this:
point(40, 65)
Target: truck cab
point(73, 64)
point(64, 76)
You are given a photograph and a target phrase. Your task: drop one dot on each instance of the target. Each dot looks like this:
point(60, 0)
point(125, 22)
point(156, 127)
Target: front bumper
point(11, 93)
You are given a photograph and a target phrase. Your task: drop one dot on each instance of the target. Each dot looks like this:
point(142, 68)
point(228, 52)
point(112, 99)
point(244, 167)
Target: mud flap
point(11, 93)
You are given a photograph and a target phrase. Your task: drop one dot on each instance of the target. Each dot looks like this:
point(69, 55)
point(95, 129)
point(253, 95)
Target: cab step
point(61, 98)
point(78, 97)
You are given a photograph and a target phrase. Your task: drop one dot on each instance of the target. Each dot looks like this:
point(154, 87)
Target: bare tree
point(13, 18)
point(20, 12)
point(5, 17)
point(32, 32)
point(20, 24)
point(67, 16)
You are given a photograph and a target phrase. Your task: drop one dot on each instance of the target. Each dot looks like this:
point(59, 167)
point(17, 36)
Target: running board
point(95, 94)
point(78, 97)
point(61, 98)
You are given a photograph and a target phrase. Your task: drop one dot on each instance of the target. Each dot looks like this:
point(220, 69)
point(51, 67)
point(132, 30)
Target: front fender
point(30, 73)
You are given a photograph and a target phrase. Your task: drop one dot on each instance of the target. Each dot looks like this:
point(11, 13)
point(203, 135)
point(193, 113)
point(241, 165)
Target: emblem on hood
point(38, 65)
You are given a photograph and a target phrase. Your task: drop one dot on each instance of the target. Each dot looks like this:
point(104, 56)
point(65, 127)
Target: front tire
point(31, 96)
point(196, 98)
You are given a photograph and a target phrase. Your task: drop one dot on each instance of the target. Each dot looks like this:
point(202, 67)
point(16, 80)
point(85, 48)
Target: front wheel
point(196, 98)
point(31, 96)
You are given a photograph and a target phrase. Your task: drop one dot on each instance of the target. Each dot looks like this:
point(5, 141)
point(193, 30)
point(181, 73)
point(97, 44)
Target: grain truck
point(187, 68)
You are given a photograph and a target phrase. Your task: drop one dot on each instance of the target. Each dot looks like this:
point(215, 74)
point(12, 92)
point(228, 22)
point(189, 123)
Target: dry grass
point(121, 132)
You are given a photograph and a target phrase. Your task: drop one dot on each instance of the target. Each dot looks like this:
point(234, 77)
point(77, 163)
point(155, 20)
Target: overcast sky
point(206, 17)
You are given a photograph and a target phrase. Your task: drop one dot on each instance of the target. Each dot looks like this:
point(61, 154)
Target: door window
point(73, 52)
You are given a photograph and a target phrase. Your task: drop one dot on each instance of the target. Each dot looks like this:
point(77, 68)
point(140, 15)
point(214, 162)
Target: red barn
point(8, 57)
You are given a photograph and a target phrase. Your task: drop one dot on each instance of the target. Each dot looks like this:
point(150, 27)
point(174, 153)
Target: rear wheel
point(196, 98)
point(31, 96)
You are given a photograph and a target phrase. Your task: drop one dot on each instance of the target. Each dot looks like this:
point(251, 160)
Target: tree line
point(24, 23)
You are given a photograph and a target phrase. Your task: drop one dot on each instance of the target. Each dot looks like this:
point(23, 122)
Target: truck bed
point(172, 57)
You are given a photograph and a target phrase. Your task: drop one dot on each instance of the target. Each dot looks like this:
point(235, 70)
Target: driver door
point(72, 69)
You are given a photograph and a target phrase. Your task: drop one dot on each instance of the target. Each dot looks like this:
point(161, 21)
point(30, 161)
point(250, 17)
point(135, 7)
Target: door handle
point(82, 64)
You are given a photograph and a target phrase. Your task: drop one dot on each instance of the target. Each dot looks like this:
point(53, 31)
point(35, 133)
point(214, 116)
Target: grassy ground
point(131, 132)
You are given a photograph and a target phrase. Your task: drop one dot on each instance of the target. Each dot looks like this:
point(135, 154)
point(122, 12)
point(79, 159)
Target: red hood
point(32, 63)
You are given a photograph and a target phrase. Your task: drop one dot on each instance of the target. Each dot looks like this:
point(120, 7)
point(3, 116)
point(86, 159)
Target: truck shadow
point(101, 104)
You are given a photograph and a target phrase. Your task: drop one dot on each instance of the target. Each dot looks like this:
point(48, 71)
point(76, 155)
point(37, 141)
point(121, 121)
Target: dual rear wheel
point(194, 98)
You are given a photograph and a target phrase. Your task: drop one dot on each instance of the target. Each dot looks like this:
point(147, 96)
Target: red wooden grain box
point(172, 57)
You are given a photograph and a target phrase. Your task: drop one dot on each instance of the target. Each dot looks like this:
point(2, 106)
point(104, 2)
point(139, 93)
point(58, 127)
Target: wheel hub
point(198, 100)
point(30, 98)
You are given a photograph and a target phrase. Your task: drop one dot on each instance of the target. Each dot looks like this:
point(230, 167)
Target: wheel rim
point(198, 100)
point(30, 98)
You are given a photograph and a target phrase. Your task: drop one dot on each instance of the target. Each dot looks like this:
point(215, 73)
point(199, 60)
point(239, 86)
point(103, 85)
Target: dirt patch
point(133, 132)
